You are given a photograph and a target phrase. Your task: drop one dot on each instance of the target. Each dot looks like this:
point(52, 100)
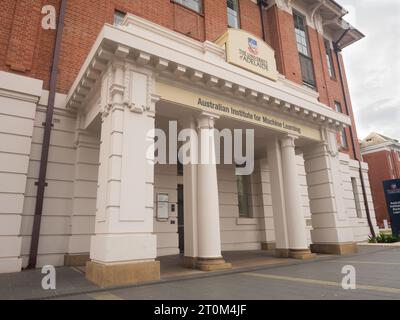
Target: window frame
point(247, 194)
point(238, 14)
point(181, 3)
point(305, 55)
point(344, 143)
point(329, 59)
point(338, 106)
point(116, 13)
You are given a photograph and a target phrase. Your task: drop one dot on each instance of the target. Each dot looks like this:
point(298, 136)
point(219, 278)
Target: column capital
point(288, 141)
point(206, 120)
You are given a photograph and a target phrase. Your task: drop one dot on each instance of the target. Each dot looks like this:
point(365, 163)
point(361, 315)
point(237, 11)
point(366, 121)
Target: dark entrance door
point(181, 220)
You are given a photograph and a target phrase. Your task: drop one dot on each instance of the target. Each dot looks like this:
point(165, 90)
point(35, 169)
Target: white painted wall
point(18, 99)
point(166, 181)
point(238, 233)
point(58, 204)
point(350, 169)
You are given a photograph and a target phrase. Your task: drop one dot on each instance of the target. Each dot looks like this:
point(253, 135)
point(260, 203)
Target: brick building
point(127, 67)
point(383, 157)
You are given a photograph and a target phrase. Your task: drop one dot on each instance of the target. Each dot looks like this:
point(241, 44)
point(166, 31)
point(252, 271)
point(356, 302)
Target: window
point(303, 47)
point(233, 13)
point(118, 17)
point(329, 59)
point(243, 187)
point(356, 197)
point(338, 107)
point(195, 5)
point(179, 168)
point(343, 139)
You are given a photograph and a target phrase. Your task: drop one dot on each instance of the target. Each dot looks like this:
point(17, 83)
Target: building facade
point(383, 157)
point(127, 68)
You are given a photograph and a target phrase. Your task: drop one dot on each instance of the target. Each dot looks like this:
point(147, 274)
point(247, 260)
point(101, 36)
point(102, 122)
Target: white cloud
point(373, 66)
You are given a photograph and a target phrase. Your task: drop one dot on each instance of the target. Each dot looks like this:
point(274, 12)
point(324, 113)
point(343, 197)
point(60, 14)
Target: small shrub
point(383, 238)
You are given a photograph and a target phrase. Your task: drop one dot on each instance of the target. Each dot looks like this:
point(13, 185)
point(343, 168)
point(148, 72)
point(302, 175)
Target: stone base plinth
point(282, 253)
point(301, 254)
point(267, 246)
point(104, 275)
point(76, 260)
point(204, 264)
point(335, 248)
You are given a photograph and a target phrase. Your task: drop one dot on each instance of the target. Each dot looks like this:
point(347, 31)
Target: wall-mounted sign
point(225, 108)
point(162, 206)
point(392, 193)
point(249, 52)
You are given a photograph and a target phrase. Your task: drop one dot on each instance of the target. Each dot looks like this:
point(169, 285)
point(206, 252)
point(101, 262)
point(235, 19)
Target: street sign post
point(392, 193)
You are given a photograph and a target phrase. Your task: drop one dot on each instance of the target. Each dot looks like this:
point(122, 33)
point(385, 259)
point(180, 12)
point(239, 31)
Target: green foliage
point(383, 238)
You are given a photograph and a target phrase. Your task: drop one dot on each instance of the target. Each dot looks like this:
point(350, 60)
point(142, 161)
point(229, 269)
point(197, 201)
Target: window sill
point(246, 221)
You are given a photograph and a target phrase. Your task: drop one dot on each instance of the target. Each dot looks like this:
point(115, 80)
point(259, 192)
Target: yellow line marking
point(104, 296)
point(322, 282)
point(366, 262)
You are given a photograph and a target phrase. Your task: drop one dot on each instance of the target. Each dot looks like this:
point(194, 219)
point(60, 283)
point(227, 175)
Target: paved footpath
point(377, 277)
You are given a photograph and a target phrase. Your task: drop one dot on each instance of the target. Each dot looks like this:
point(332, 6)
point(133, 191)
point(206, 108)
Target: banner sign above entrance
point(225, 108)
point(246, 51)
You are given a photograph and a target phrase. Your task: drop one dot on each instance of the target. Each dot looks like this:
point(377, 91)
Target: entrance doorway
point(181, 221)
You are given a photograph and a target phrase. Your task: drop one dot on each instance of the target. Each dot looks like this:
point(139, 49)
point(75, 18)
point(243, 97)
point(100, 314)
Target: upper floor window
point(303, 47)
point(338, 107)
point(243, 188)
point(343, 139)
point(195, 5)
point(118, 17)
point(233, 13)
point(329, 59)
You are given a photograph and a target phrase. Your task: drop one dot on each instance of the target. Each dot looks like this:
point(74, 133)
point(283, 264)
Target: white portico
point(140, 76)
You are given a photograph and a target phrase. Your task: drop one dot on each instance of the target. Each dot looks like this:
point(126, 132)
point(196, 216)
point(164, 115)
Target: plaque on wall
point(162, 206)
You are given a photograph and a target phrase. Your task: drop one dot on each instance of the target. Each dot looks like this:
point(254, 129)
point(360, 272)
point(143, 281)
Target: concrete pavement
point(377, 277)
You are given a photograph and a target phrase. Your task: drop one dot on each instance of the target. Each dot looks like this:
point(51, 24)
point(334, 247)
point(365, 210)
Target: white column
point(123, 249)
point(296, 225)
point(190, 198)
point(332, 231)
point(274, 155)
point(209, 236)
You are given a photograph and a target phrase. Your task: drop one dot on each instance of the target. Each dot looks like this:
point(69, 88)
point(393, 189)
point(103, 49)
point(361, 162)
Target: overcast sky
point(373, 66)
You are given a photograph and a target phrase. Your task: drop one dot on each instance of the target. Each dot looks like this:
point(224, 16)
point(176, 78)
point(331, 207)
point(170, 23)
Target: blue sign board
point(392, 193)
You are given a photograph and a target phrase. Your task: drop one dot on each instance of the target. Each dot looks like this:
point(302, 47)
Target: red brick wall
point(380, 170)
point(250, 19)
point(26, 48)
point(282, 39)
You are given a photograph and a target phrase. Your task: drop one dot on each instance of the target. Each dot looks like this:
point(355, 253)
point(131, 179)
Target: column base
point(267, 246)
point(205, 264)
point(294, 254)
point(301, 254)
point(282, 253)
point(335, 248)
point(104, 275)
point(76, 260)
